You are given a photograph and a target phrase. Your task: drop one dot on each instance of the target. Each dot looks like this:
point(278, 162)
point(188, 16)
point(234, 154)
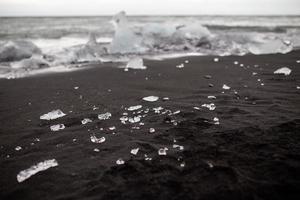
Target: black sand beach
point(254, 153)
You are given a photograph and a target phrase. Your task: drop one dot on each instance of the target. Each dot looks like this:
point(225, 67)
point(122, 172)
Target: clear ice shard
point(136, 63)
point(163, 151)
point(57, 127)
point(42, 166)
point(226, 87)
point(284, 70)
point(151, 98)
point(134, 151)
point(94, 139)
point(54, 114)
point(104, 116)
point(132, 108)
point(211, 106)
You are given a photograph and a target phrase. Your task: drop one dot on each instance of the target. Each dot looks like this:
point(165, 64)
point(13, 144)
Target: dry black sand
point(253, 154)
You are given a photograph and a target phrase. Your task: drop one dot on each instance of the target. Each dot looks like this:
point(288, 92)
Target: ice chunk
point(211, 106)
point(57, 127)
point(86, 120)
point(211, 97)
point(132, 108)
point(135, 119)
point(120, 161)
point(42, 166)
point(112, 128)
point(18, 148)
point(216, 120)
point(104, 116)
point(17, 50)
point(176, 146)
point(226, 87)
point(284, 70)
point(54, 114)
point(124, 40)
point(216, 59)
point(134, 151)
point(135, 63)
point(180, 66)
point(151, 98)
point(94, 139)
point(163, 151)
point(151, 130)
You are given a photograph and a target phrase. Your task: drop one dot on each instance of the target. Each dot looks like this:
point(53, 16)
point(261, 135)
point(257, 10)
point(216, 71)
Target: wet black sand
point(253, 154)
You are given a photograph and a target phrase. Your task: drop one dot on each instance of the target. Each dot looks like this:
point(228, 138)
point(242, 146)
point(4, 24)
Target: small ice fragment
point(134, 151)
point(94, 139)
point(151, 98)
point(18, 148)
point(163, 151)
point(262, 84)
point(57, 127)
point(176, 146)
point(297, 61)
point(216, 59)
point(42, 166)
point(120, 161)
point(158, 109)
point(147, 158)
point(180, 66)
point(211, 106)
point(54, 114)
point(86, 120)
point(182, 164)
point(241, 65)
point(132, 108)
point(104, 116)
point(112, 128)
point(96, 150)
point(236, 62)
point(76, 88)
point(211, 97)
point(135, 119)
point(284, 70)
point(225, 87)
point(208, 76)
point(176, 112)
point(211, 85)
point(166, 98)
point(151, 130)
point(259, 80)
point(136, 63)
point(216, 120)
point(186, 61)
point(124, 119)
point(254, 73)
point(209, 164)
point(298, 87)
point(197, 108)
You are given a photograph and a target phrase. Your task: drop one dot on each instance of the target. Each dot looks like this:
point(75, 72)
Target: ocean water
point(33, 43)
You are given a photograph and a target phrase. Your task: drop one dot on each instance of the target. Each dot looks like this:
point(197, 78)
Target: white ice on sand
point(42, 166)
point(211, 106)
point(86, 120)
point(226, 87)
point(134, 151)
point(104, 116)
point(57, 127)
point(94, 139)
point(163, 151)
point(135, 63)
point(284, 70)
point(132, 108)
point(54, 114)
point(151, 98)
point(120, 161)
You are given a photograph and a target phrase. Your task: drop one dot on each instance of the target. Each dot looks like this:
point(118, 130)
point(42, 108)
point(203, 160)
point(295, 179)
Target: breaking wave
point(19, 57)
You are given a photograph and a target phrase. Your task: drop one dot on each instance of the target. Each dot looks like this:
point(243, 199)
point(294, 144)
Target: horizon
point(37, 8)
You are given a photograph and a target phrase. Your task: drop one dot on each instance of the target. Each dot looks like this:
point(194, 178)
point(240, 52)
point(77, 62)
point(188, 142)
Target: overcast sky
point(146, 7)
